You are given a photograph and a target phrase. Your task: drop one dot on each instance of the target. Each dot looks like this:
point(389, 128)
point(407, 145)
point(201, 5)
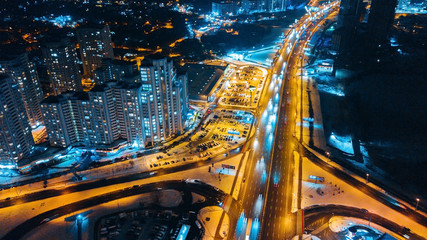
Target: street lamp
point(418, 201)
point(367, 177)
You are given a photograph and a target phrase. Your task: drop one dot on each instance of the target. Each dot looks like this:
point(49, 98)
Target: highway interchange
point(267, 189)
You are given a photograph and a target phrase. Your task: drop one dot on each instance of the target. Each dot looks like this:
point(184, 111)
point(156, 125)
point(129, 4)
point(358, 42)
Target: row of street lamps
point(417, 199)
point(367, 181)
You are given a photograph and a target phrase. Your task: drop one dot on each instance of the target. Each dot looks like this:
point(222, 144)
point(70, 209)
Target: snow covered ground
point(331, 89)
point(339, 224)
point(263, 57)
point(306, 237)
point(335, 191)
point(21, 212)
point(343, 143)
point(210, 218)
point(328, 84)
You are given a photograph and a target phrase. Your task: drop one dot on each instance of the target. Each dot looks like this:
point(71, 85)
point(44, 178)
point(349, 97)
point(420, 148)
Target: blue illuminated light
point(183, 232)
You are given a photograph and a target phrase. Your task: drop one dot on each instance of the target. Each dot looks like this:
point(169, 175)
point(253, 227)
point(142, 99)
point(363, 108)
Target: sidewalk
point(312, 122)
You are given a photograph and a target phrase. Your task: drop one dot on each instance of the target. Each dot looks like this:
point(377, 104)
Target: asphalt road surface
point(212, 194)
point(278, 221)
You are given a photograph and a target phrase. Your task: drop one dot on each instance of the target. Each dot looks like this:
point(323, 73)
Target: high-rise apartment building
point(349, 19)
point(117, 113)
point(144, 113)
point(94, 44)
point(222, 8)
point(67, 118)
point(23, 73)
point(380, 20)
point(107, 113)
point(102, 100)
point(180, 100)
point(129, 112)
point(161, 107)
point(412, 6)
point(16, 140)
point(62, 66)
point(272, 5)
point(117, 70)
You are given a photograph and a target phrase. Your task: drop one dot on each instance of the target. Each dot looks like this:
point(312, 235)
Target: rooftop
point(118, 85)
point(202, 78)
point(66, 95)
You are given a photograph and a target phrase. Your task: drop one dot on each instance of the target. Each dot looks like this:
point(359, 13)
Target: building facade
point(67, 118)
point(271, 5)
point(349, 19)
point(23, 73)
point(94, 45)
point(62, 66)
point(117, 70)
point(107, 113)
point(16, 140)
point(102, 101)
point(162, 110)
point(222, 8)
point(380, 20)
point(144, 113)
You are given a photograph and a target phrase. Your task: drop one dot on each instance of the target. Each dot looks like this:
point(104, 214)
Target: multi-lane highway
point(278, 221)
point(267, 190)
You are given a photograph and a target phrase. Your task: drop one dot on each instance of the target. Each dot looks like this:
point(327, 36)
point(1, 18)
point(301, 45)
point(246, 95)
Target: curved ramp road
point(208, 191)
point(321, 214)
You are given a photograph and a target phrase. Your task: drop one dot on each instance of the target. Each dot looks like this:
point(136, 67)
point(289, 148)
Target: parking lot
point(244, 88)
point(149, 224)
point(223, 131)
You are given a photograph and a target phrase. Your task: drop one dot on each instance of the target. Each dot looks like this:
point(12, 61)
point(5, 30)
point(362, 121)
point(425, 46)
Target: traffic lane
point(271, 204)
point(262, 149)
point(255, 170)
point(254, 175)
point(386, 199)
point(256, 179)
point(99, 183)
point(288, 186)
point(287, 189)
point(252, 188)
point(278, 207)
point(279, 210)
point(278, 121)
point(274, 211)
